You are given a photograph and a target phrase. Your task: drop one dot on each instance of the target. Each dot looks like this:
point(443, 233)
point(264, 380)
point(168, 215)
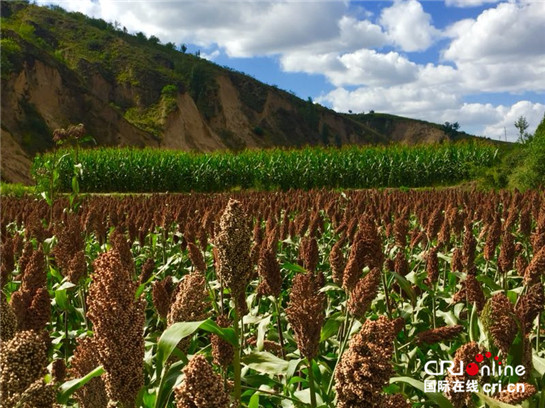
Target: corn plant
point(152, 170)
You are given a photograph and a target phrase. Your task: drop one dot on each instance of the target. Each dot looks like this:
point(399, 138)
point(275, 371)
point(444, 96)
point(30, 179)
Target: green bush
point(11, 56)
point(26, 31)
point(94, 45)
point(149, 120)
point(530, 172)
point(170, 91)
point(497, 176)
point(16, 190)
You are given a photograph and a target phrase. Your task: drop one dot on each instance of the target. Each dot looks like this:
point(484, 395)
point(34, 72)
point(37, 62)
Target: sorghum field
point(287, 299)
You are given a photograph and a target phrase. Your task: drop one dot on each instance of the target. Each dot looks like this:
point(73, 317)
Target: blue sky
point(477, 62)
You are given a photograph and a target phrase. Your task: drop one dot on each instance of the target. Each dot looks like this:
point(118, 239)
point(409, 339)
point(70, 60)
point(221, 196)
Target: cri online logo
point(472, 369)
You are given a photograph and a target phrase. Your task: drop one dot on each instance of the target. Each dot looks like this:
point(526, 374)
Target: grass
point(16, 190)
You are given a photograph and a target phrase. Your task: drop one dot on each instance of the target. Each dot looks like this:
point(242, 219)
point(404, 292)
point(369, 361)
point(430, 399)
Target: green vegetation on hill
point(522, 165)
point(85, 43)
point(152, 118)
point(151, 170)
point(530, 171)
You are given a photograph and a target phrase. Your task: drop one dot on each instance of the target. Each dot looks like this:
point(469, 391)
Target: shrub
point(11, 56)
point(169, 91)
point(530, 173)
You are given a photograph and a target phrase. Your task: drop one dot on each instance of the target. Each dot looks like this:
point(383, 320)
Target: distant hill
point(61, 68)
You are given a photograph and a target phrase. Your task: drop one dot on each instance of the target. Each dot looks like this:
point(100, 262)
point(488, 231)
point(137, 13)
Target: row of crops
point(154, 170)
point(298, 299)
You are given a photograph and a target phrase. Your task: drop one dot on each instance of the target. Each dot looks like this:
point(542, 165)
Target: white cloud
point(356, 34)
point(502, 50)
point(281, 27)
point(488, 120)
point(326, 64)
point(443, 76)
point(405, 100)
point(360, 67)
point(377, 69)
point(408, 25)
point(508, 31)
point(468, 3)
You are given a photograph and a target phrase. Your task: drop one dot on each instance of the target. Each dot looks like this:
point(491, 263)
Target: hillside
point(60, 68)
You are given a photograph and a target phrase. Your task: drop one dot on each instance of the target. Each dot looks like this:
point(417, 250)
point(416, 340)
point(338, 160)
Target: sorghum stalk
point(81, 294)
point(66, 341)
point(52, 186)
point(279, 327)
point(221, 297)
point(212, 294)
point(344, 328)
point(241, 337)
point(433, 306)
point(236, 358)
point(445, 275)
point(386, 296)
point(164, 243)
point(311, 383)
point(241, 304)
point(343, 311)
point(432, 270)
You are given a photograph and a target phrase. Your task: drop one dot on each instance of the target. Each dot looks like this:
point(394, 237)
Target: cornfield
point(274, 299)
point(153, 170)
